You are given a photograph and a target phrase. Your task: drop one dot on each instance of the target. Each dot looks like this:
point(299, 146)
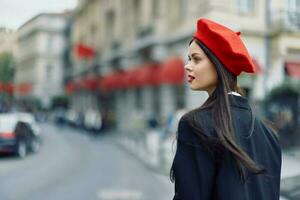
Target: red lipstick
point(190, 78)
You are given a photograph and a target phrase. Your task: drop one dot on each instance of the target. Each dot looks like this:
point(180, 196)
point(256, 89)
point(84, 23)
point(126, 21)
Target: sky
point(14, 13)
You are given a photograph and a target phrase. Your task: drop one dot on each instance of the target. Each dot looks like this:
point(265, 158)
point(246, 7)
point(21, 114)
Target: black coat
point(199, 177)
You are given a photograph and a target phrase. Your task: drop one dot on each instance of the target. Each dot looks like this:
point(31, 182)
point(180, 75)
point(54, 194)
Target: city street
point(290, 184)
point(72, 165)
point(291, 188)
point(95, 96)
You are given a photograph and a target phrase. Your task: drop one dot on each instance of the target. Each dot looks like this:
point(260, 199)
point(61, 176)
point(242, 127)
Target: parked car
point(19, 134)
point(92, 121)
point(58, 116)
point(73, 118)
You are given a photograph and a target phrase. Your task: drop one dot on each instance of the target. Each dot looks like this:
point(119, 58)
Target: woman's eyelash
point(195, 58)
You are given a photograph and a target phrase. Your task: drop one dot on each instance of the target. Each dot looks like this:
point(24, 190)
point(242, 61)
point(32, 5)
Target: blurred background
point(91, 91)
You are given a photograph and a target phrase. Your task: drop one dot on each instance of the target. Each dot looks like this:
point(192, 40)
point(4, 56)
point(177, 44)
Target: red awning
point(118, 80)
point(172, 71)
point(70, 88)
point(84, 51)
point(131, 78)
point(2, 87)
point(148, 75)
point(89, 83)
point(77, 83)
point(7, 88)
point(259, 69)
point(122, 79)
point(24, 88)
point(112, 81)
point(136, 77)
point(105, 82)
point(293, 69)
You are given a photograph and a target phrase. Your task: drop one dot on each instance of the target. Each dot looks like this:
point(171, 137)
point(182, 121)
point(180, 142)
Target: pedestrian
point(224, 151)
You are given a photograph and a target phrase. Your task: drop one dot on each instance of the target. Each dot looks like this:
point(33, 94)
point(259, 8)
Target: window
point(49, 43)
point(245, 6)
point(93, 31)
point(156, 100)
point(294, 5)
point(136, 13)
point(182, 9)
point(178, 94)
point(294, 12)
point(177, 13)
point(110, 26)
point(155, 9)
point(138, 98)
point(48, 72)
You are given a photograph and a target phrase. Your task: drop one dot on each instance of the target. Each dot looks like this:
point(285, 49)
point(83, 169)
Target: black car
point(18, 134)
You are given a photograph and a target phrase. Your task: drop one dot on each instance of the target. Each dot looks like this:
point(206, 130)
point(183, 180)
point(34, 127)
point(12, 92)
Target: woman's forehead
point(194, 48)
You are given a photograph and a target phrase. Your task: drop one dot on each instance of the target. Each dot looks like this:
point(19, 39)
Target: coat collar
point(234, 93)
point(238, 101)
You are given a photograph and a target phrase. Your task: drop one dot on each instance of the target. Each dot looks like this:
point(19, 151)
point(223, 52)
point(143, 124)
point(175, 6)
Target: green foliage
point(284, 90)
point(7, 67)
point(29, 103)
point(61, 101)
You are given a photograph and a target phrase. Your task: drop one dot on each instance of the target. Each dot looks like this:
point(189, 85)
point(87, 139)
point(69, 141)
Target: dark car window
point(22, 127)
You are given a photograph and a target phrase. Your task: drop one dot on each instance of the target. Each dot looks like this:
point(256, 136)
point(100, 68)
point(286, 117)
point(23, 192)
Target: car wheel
point(22, 150)
point(35, 146)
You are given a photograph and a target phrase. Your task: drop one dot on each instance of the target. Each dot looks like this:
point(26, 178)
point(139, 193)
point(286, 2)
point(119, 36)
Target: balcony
point(285, 20)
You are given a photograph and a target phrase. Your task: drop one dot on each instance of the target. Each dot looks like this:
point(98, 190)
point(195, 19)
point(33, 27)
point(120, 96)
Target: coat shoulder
point(195, 121)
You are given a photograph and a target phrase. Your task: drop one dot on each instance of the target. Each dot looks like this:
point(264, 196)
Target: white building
point(40, 60)
point(7, 40)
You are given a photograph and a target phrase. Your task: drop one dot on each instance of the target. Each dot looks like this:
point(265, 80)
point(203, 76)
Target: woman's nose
point(188, 68)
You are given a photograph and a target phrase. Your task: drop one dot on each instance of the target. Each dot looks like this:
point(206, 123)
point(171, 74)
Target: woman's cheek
point(204, 79)
point(201, 74)
point(200, 81)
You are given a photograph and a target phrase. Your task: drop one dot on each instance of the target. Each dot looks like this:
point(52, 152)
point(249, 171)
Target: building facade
point(7, 40)
point(40, 59)
point(129, 34)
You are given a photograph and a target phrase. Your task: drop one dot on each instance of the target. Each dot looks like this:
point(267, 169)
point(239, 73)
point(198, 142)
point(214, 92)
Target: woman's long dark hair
point(218, 102)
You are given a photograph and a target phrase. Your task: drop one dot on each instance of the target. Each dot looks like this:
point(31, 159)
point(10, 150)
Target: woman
point(223, 150)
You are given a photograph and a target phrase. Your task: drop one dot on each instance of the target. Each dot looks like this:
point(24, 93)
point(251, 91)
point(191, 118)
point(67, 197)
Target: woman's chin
point(194, 88)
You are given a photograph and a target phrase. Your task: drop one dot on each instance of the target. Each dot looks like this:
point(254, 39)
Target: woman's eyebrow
point(193, 54)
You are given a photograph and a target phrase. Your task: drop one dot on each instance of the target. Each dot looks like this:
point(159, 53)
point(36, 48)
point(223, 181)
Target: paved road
point(74, 166)
point(291, 188)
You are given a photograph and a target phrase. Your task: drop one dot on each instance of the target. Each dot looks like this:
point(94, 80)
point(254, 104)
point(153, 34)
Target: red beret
point(226, 45)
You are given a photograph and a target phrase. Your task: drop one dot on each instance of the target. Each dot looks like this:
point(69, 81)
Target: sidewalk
point(290, 163)
point(290, 171)
point(290, 174)
point(290, 157)
point(139, 149)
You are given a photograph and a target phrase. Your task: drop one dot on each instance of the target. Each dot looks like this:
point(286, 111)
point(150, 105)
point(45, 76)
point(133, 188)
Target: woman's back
point(198, 176)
